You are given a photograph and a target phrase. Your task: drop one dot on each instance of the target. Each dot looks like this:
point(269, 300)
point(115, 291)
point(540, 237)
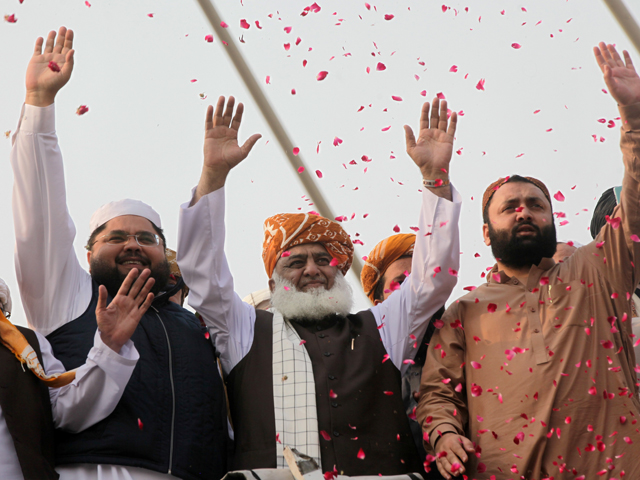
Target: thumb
point(409, 138)
point(248, 145)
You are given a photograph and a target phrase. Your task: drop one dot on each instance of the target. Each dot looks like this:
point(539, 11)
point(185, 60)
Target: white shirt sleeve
point(97, 388)
point(55, 289)
point(200, 255)
point(404, 316)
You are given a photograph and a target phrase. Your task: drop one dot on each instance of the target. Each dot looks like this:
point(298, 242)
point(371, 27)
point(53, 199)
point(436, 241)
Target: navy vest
point(172, 415)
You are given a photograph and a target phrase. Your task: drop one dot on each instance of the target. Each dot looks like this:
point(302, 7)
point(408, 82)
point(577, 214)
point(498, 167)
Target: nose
point(523, 214)
point(311, 268)
point(131, 243)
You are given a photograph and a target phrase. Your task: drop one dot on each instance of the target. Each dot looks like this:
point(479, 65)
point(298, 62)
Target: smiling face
point(110, 264)
point(307, 267)
point(520, 230)
point(395, 274)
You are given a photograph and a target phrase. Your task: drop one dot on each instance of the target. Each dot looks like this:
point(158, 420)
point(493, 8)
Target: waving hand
point(620, 76)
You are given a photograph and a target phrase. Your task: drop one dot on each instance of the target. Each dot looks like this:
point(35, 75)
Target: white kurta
point(54, 288)
point(405, 314)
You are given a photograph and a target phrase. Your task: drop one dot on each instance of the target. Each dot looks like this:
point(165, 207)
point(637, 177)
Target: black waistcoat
point(25, 403)
point(367, 413)
point(175, 391)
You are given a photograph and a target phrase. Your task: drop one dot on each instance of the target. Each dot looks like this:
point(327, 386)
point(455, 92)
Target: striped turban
point(381, 257)
point(286, 230)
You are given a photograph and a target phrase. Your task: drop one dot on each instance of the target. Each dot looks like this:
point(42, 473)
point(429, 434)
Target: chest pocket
point(572, 304)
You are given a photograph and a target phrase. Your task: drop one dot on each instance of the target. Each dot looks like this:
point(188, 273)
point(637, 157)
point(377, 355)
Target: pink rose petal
point(322, 75)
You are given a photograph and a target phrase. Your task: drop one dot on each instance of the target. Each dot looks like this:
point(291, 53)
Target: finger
point(139, 283)
point(102, 298)
point(627, 60)
point(615, 56)
point(228, 113)
point(128, 281)
point(446, 464)
point(208, 119)
point(442, 469)
point(145, 306)
point(468, 445)
point(37, 49)
point(599, 58)
point(68, 42)
point(409, 137)
point(248, 145)
point(424, 116)
point(442, 124)
point(434, 119)
point(60, 41)
point(68, 62)
point(48, 47)
point(144, 291)
point(237, 118)
point(453, 123)
point(217, 115)
point(458, 451)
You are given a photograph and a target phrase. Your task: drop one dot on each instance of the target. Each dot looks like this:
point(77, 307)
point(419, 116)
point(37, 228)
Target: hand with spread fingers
point(433, 149)
point(118, 321)
point(49, 70)
point(451, 454)
point(221, 149)
point(620, 76)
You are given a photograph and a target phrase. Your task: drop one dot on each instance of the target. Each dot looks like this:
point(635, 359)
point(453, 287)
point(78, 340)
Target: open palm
point(620, 76)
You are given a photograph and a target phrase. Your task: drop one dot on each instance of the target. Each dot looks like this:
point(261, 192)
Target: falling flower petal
point(396, 229)
point(453, 69)
point(325, 435)
point(334, 262)
point(397, 99)
point(440, 95)
point(322, 75)
point(208, 38)
point(319, 173)
point(361, 454)
point(82, 109)
point(287, 29)
point(559, 196)
point(381, 66)
point(224, 25)
point(516, 46)
point(244, 24)
point(491, 307)
point(296, 151)
point(476, 365)
point(388, 16)
point(480, 85)
point(140, 425)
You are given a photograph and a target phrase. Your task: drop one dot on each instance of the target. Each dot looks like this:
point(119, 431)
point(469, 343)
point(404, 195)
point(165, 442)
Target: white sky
point(142, 136)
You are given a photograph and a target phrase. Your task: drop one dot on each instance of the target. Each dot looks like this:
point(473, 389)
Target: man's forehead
point(517, 190)
point(308, 249)
point(129, 222)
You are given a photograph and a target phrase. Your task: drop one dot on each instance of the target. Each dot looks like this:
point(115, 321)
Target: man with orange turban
point(307, 373)
point(533, 376)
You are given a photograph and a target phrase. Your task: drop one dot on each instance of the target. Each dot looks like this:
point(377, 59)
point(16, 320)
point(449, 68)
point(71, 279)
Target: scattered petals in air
point(325, 435)
point(334, 262)
point(224, 25)
point(559, 196)
point(408, 361)
point(396, 98)
point(296, 151)
point(300, 169)
point(287, 29)
point(258, 24)
point(140, 425)
point(480, 85)
point(86, 3)
point(388, 393)
point(333, 394)
point(82, 109)
point(516, 46)
point(322, 75)
point(313, 8)
point(453, 272)
point(396, 229)
point(384, 129)
point(302, 342)
point(491, 307)
point(319, 173)
point(337, 141)
point(476, 365)
point(54, 67)
point(440, 95)
point(244, 24)
point(388, 16)
point(614, 222)
point(445, 8)
point(423, 93)
point(361, 454)
point(150, 15)
point(381, 66)
point(287, 46)
point(606, 343)
point(293, 91)
point(208, 38)
point(453, 69)
point(193, 80)
point(635, 238)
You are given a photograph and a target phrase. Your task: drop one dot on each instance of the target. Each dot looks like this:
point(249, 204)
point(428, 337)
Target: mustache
point(127, 256)
point(527, 223)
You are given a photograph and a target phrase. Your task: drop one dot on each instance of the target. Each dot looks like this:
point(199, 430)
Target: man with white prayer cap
point(171, 419)
point(306, 373)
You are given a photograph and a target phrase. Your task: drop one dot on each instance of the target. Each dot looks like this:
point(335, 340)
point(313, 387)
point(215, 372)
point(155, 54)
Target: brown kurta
point(545, 371)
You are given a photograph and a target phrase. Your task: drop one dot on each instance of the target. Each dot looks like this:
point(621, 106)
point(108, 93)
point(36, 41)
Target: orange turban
point(382, 256)
point(286, 230)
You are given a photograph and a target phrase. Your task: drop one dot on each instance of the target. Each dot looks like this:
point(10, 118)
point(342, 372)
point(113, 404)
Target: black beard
point(112, 279)
point(519, 252)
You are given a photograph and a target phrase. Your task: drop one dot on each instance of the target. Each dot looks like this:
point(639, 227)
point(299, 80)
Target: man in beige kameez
point(531, 375)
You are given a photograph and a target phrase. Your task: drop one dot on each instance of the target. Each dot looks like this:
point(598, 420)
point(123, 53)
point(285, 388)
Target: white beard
point(315, 304)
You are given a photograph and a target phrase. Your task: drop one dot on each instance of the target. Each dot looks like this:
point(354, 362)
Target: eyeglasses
point(144, 239)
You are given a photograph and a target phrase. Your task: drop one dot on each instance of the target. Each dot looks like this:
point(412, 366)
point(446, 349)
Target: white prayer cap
point(126, 206)
point(257, 297)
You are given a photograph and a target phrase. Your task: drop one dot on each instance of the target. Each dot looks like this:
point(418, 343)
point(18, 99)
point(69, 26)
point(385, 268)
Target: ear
point(376, 302)
point(272, 285)
point(89, 260)
point(485, 234)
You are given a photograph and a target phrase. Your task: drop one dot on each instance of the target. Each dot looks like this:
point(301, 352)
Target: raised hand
point(50, 70)
point(451, 454)
point(621, 77)
point(118, 321)
point(434, 147)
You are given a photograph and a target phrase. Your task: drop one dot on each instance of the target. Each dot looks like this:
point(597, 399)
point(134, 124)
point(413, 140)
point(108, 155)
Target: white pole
point(626, 21)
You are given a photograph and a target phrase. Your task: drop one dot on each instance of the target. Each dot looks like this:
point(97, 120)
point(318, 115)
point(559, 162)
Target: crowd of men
point(532, 375)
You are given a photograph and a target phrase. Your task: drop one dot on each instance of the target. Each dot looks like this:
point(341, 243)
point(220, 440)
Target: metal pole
point(270, 116)
point(626, 21)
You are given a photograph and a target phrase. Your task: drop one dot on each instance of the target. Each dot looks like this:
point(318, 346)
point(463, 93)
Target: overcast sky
point(143, 67)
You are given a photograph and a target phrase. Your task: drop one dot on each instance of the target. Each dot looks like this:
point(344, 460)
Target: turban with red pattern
point(381, 257)
point(491, 189)
point(286, 230)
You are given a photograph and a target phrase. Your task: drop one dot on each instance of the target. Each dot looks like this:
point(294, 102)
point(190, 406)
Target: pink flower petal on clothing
point(325, 435)
point(476, 365)
point(491, 307)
